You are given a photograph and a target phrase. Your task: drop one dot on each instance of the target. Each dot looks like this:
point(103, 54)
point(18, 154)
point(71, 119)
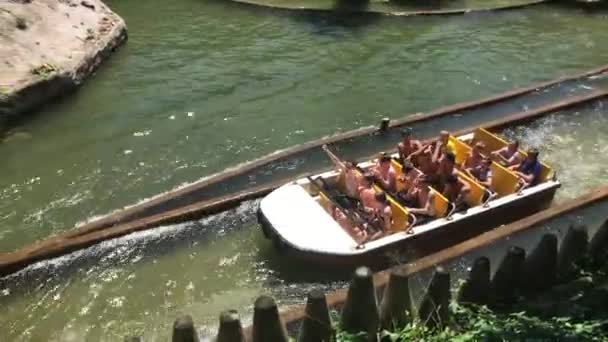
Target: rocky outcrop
point(49, 47)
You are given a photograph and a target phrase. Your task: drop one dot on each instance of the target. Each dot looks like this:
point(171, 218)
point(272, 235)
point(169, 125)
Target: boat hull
point(421, 244)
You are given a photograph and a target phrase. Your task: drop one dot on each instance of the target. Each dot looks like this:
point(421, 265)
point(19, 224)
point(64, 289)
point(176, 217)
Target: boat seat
point(475, 197)
point(494, 143)
point(461, 150)
point(440, 203)
point(400, 216)
point(504, 182)
point(324, 201)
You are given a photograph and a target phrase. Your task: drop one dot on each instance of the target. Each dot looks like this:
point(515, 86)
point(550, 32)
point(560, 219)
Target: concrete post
point(267, 325)
point(573, 248)
point(396, 301)
point(506, 281)
point(434, 309)
point(316, 326)
point(384, 124)
point(360, 311)
point(540, 266)
point(183, 330)
point(476, 288)
point(230, 329)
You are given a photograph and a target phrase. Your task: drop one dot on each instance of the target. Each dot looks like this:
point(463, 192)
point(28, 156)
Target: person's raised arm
point(337, 162)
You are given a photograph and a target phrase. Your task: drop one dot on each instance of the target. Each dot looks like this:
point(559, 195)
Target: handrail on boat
point(491, 195)
point(451, 212)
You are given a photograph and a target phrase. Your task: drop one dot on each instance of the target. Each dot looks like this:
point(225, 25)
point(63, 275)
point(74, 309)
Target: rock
point(36, 46)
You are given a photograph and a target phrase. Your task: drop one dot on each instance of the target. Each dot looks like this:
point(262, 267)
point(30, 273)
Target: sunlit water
point(201, 86)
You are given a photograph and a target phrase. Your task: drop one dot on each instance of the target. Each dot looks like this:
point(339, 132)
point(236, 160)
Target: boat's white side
point(304, 225)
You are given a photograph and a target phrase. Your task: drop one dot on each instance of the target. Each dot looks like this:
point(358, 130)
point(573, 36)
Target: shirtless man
point(382, 214)
point(456, 191)
point(407, 146)
point(367, 192)
point(482, 173)
point(508, 155)
point(445, 169)
point(351, 174)
point(385, 174)
point(409, 175)
point(474, 157)
point(529, 169)
point(422, 199)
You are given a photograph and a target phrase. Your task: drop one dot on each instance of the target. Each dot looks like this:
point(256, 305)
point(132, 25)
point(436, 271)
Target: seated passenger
point(367, 192)
point(445, 169)
point(443, 144)
point(382, 215)
point(508, 155)
point(349, 169)
point(421, 199)
point(408, 146)
point(426, 164)
point(482, 173)
point(529, 169)
point(474, 157)
point(385, 174)
point(456, 191)
point(409, 175)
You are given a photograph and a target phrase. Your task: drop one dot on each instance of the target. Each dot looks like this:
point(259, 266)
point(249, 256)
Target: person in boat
point(508, 155)
point(410, 180)
point(352, 176)
point(426, 164)
point(529, 169)
point(482, 173)
point(474, 158)
point(408, 146)
point(456, 191)
point(358, 234)
point(367, 192)
point(385, 174)
point(382, 215)
point(443, 144)
point(421, 201)
point(445, 169)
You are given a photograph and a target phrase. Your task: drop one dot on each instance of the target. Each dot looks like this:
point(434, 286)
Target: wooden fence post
point(230, 329)
point(360, 311)
point(316, 326)
point(434, 310)
point(540, 265)
point(573, 248)
point(183, 330)
point(267, 325)
point(599, 241)
point(396, 301)
point(476, 288)
point(506, 281)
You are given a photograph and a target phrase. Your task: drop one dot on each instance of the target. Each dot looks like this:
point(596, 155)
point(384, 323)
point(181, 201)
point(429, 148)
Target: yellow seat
point(398, 172)
point(440, 203)
point(461, 150)
point(324, 202)
point(400, 216)
point(475, 197)
point(494, 143)
point(504, 182)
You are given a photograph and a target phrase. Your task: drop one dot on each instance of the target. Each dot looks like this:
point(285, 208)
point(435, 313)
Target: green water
point(202, 86)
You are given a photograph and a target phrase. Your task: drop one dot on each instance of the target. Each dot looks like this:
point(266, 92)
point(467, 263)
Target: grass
point(478, 323)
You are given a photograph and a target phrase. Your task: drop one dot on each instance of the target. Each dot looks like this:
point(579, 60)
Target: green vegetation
point(478, 323)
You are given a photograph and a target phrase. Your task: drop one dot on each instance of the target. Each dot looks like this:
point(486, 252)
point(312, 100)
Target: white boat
point(295, 218)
